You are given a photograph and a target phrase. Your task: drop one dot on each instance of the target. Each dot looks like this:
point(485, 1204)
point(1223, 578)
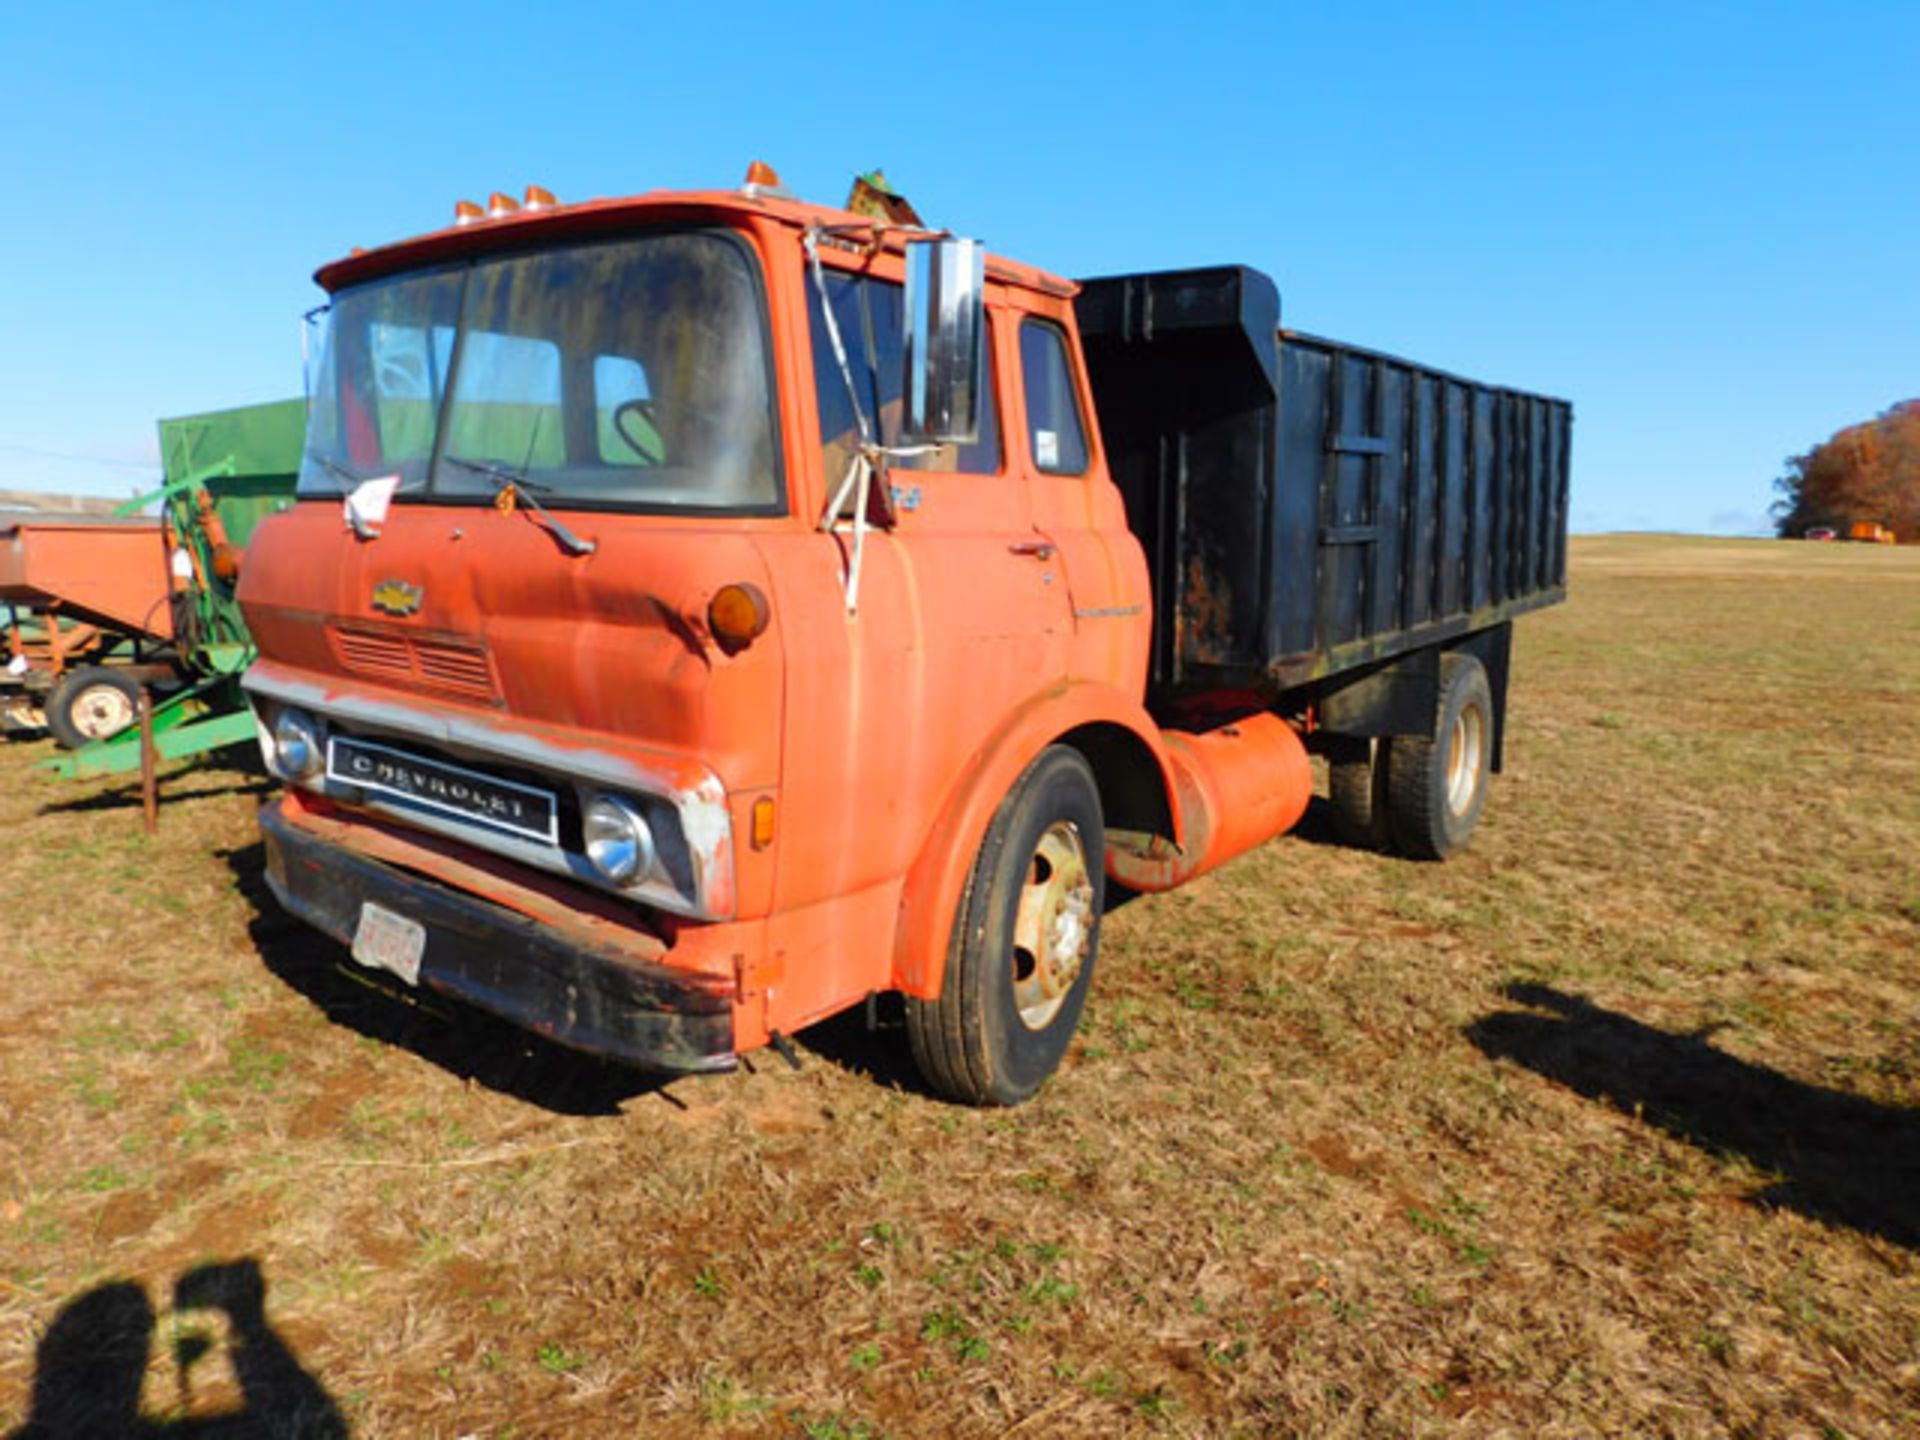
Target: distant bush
point(1866, 472)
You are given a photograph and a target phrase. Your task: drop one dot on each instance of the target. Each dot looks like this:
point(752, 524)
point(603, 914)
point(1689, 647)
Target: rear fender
point(1113, 730)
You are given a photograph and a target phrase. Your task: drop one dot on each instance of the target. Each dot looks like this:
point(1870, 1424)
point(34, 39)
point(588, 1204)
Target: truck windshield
point(626, 374)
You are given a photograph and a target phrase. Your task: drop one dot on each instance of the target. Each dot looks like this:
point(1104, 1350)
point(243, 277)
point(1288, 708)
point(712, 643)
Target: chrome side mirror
point(944, 341)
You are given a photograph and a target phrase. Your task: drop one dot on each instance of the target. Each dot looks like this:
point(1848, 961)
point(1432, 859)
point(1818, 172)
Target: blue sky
point(1699, 222)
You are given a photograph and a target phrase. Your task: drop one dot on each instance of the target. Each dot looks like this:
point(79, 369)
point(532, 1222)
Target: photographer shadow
point(91, 1367)
point(1843, 1159)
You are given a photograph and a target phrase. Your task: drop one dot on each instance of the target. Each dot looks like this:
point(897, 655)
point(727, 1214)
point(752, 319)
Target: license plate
point(390, 942)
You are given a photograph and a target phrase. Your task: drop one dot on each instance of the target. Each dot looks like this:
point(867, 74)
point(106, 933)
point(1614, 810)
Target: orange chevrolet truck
point(705, 611)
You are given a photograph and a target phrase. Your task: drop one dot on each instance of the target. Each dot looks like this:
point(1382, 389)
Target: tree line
point(1866, 472)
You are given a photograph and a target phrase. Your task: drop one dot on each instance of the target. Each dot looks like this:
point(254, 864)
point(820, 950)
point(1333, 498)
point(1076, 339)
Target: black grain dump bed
point(1310, 509)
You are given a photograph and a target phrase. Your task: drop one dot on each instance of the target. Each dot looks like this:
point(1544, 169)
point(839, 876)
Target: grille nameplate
point(517, 809)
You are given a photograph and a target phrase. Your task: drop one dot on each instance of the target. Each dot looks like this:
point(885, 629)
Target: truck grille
point(458, 668)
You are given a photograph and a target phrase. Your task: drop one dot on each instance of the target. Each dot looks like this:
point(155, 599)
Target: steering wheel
point(648, 446)
point(399, 374)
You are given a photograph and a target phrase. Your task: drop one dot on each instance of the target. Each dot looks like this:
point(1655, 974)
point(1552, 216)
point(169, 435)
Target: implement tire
point(1024, 942)
point(91, 703)
point(1437, 785)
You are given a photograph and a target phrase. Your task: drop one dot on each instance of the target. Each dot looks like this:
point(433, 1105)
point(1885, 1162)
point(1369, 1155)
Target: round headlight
point(619, 842)
point(296, 741)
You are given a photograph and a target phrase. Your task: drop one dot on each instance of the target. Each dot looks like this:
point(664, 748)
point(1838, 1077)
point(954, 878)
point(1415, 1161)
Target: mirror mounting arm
point(871, 235)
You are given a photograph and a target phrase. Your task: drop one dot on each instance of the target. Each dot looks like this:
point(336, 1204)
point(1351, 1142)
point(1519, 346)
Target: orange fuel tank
point(1239, 786)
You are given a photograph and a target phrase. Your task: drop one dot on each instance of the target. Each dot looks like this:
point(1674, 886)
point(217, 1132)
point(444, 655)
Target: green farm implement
point(173, 637)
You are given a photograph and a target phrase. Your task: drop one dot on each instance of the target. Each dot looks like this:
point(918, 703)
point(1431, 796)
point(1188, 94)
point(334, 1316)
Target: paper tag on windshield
point(1046, 448)
point(370, 499)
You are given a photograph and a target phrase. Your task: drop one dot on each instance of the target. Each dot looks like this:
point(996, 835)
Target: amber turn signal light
point(762, 823)
point(736, 615)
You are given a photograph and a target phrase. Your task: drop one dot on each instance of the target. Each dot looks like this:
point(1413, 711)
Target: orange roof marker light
point(539, 198)
point(465, 212)
point(762, 180)
point(501, 204)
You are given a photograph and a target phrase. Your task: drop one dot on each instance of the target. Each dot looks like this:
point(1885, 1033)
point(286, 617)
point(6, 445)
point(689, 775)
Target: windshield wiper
point(523, 488)
point(515, 478)
point(361, 529)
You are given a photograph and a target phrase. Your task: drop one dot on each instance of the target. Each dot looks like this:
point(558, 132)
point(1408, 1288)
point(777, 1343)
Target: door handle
point(1038, 549)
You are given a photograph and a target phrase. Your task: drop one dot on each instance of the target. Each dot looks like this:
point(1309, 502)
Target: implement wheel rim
point(101, 711)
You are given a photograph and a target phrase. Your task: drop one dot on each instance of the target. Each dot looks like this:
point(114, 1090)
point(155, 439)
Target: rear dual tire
point(1420, 795)
point(1357, 791)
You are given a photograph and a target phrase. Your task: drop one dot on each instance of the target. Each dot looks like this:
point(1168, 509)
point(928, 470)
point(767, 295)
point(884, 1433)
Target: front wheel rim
point(1466, 758)
point(100, 711)
point(1052, 925)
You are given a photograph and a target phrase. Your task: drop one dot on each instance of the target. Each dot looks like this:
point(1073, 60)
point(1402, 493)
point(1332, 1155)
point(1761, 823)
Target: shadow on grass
point(876, 1050)
point(459, 1039)
point(127, 797)
point(1845, 1160)
point(230, 772)
point(91, 1366)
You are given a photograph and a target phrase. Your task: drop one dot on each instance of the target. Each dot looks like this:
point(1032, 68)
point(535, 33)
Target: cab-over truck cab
point(637, 676)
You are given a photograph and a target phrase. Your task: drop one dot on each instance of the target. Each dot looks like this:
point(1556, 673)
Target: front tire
point(91, 703)
point(1437, 785)
point(1021, 956)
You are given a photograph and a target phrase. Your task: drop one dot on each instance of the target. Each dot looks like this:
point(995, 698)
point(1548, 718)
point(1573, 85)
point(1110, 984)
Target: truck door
point(964, 526)
point(1077, 511)
point(962, 616)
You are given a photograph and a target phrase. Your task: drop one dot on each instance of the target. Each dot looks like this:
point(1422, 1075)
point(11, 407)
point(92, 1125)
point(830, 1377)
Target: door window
point(870, 315)
point(1055, 436)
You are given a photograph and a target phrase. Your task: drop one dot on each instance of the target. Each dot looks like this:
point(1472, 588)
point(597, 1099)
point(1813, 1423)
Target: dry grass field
point(1610, 1127)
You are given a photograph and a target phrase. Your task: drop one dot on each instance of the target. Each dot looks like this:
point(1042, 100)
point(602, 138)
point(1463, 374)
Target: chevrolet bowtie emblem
point(397, 597)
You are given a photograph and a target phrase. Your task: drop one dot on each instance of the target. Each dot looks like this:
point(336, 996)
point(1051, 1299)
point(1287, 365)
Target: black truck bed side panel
point(1307, 507)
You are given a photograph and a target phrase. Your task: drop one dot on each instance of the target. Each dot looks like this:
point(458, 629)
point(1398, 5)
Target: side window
point(1055, 437)
point(863, 307)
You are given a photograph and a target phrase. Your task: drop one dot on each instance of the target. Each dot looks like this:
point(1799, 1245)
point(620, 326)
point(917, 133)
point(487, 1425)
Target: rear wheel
point(1024, 942)
point(1437, 785)
point(91, 703)
point(1357, 791)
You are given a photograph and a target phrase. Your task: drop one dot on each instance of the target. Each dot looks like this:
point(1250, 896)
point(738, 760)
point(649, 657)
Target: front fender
point(930, 899)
